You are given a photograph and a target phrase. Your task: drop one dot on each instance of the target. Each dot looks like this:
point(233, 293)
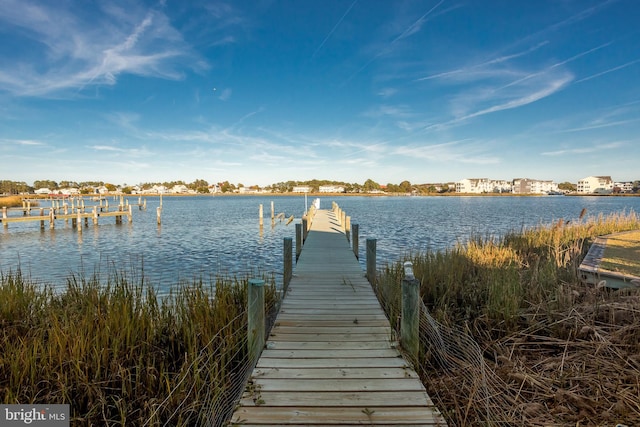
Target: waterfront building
point(595, 184)
point(482, 185)
point(533, 186)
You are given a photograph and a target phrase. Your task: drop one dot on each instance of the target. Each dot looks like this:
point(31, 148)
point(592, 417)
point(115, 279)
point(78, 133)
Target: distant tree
point(226, 187)
point(14, 187)
point(68, 184)
point(45, 183)
point(405, 187)
point(199, 185)
point(127, 190)
point(567, 186)
point(370, 185)
point(110, 187)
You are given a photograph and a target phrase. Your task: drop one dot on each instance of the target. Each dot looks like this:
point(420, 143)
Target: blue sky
point(259, 92)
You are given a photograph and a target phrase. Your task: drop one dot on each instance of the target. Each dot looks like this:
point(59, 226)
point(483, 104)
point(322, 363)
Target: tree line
point(203, 186)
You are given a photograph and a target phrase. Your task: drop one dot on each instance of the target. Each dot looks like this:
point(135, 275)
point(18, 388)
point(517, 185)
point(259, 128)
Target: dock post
point(5, 224)
point(409, 323)
point(261, 219)
point(95, 215)
point(371, 260)
point(288, 263)
point(130, 214)
point(305, 228)
point(354, 243)
point(343, 220)
point(42, 221)
point(52, 218)
point(158, 212)
point(255, 318)
point(79, 220)
point(347, 228)
point(273, 214)
point(298, 240)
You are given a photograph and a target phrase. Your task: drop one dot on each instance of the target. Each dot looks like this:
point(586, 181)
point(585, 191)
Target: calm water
point(201, 237)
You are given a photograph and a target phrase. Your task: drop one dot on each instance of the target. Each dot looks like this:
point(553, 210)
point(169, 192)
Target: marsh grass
point(568, 353)
point(116, 352)
point(12, 202)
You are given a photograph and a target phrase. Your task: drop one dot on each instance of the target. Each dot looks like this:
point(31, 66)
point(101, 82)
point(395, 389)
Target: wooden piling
point(52, 219)
point(371, 260)
point(130, 214)
point(42, 221)
point(347, 228)
point(305, 228)
point(298, 240)
point(260, 215)
point(354, 240)
point(79, 220)
point(255, 318)
point(409, 323)
point(158, 214)
point(95, 215)
point(288, 263)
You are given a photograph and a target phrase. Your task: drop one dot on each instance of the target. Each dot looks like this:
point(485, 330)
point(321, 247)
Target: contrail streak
point(334, 28)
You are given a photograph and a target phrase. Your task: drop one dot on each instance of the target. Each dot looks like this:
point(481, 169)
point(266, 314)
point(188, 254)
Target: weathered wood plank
point(401, 415)
point(334, 373)
point(344, 385)
point(337, 398)
point(330, 354)
point(329, 345)
point(353, 362)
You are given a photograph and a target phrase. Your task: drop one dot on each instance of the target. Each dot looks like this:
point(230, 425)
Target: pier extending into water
point(331, 357)
point(76, 211)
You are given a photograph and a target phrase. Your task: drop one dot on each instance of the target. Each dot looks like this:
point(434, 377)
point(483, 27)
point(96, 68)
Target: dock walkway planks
point(331, 357)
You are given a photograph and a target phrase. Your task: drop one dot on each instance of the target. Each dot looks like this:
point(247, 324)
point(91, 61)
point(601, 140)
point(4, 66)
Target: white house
point(595, 184)
point(482, 185)
point(301, 189)
point(625, 187)
point(331, 189)
point(43, 191)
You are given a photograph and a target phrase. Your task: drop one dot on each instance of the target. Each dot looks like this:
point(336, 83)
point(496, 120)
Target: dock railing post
point(354, 238)
point(255, 318)
point(5, 224)
point(261, 219)
point(298, 240)
point(305, 228)
point(288, 263)
point(371, 260)
point(347, 228)
point(409, 323)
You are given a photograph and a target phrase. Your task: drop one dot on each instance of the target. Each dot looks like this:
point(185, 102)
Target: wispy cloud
point(25, 142)
point(71, 52)
point(461, 151)
point(586, 150)
point(333, 29)
point(610, 70)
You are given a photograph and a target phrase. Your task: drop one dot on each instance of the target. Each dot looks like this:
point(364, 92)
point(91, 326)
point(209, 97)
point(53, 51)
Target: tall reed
point(116, 351)
point(494, 278)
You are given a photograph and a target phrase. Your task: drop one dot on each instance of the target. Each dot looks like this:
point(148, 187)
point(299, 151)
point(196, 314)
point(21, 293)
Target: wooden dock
point(613, 261)
point(331, 357)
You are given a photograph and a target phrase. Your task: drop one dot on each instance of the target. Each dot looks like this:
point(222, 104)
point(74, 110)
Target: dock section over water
point(331, 357)
point(613, 261)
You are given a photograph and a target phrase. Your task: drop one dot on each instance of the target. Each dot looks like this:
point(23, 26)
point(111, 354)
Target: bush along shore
point(555, 351)
point(116, 352)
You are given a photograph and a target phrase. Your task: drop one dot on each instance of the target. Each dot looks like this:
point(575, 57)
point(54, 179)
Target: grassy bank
point(117, 353)
point(10, 202)
point(559, 352)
